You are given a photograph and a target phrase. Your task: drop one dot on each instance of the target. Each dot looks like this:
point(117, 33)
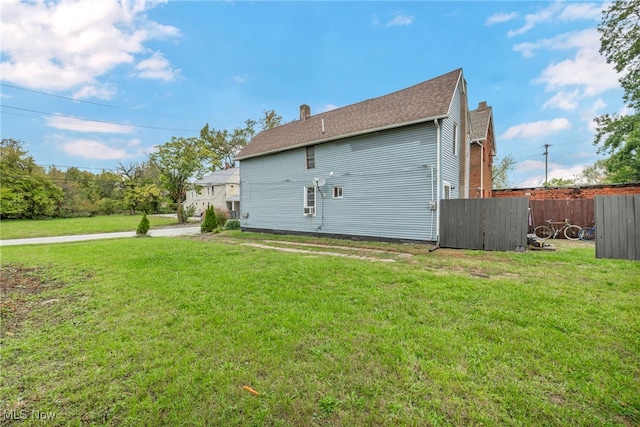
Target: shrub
point(232, 224)
point(189, 211)
point(209, 223)
point(221, 217)
point(144, 226)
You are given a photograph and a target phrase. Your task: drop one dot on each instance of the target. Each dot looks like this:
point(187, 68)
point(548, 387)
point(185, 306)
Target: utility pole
point(546, 163)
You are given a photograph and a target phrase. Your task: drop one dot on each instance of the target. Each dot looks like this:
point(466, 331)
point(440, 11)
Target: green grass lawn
point(167, 331)
point(20, 229)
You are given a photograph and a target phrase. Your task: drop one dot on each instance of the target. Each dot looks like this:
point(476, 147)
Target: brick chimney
point(305, 111)
point(482, 106)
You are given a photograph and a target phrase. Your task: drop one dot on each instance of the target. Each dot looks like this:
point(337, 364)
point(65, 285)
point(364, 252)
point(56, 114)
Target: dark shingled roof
point(480, 122)
point(422, 102)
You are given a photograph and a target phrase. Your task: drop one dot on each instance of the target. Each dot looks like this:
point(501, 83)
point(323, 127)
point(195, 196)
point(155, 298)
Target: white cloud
point(241, 79)
point(536, 129)
point(328, 107)
point(95, 91)
point(533, 19)
point(529, 165)
point(134, 142)
point(400, 19)
point(586, 70)
point(92, 149)
point(498, 18)
point(157, 67)
point(560, 12)
point(563, 100)
point(590, 113)
point(554, 170)
point(81, 125)
point(575, 11)
point(577, 78)
point(66, 44)
point(587, 39)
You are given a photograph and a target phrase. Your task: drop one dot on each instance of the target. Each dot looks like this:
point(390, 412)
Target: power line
point(82, 101)
point(98, 121)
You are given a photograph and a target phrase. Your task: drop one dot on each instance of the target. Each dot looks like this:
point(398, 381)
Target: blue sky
point(92, 83)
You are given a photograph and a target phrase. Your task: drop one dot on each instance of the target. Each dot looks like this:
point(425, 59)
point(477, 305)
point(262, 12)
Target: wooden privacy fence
point(497, 224)
point(618, 227)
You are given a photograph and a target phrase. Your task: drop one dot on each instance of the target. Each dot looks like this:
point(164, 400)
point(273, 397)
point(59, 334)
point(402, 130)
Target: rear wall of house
point(387, 181)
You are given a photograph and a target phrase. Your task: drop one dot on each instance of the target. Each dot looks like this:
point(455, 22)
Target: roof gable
point(480, 120)
point(425, 101)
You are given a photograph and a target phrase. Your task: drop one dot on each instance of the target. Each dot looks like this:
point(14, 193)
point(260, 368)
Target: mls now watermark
point(22, 415)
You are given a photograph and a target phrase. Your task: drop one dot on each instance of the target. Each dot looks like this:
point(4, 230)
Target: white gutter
point(349, 135)
point(439, 179)
point(481, 168)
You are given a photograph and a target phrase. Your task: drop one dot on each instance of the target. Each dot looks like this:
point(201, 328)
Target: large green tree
point(619, 135)
point(25, 190)
point(178, 161)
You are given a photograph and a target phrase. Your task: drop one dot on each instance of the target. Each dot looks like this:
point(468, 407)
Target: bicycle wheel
point(572, 232)
point(543, 232)
point(587, 234)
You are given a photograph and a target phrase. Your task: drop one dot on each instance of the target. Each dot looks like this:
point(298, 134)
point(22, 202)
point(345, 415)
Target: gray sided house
point(372, 170)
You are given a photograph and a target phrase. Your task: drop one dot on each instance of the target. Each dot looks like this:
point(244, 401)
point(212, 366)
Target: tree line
point(31, 191)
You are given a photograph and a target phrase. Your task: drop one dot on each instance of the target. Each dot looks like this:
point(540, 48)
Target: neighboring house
point(482, 152)
point(220, 189)
point(371, 170)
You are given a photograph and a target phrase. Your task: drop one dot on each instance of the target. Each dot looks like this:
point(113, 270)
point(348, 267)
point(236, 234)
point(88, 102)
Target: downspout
point(433, 201)
point(439, 178)
point(481, 170)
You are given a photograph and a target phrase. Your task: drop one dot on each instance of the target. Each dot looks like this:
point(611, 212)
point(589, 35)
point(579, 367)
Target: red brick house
point(482, 151)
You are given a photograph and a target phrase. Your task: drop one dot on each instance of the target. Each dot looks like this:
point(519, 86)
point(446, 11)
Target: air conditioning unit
point(310, 211)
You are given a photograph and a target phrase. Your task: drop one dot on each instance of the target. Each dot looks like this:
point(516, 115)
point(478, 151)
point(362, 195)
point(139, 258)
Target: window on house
point(311, 157)
point(455, 140)
point(337, 192)
point(447, 190)
point(309, 201)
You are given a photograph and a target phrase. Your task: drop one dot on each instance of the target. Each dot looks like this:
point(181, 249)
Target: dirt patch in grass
point(18, 295)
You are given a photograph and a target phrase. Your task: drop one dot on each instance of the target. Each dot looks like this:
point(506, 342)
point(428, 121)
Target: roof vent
point(305, 111)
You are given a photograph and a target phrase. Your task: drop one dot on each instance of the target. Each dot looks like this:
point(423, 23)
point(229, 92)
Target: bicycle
point(588, 233)
point(570, 231)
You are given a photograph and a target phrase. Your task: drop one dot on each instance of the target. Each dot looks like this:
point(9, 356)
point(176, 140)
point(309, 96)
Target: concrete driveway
point(162, 232)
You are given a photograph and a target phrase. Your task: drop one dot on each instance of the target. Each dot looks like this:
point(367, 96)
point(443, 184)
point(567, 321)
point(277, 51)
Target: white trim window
point(337, 192)
point(309, 207)
point(447, 190)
